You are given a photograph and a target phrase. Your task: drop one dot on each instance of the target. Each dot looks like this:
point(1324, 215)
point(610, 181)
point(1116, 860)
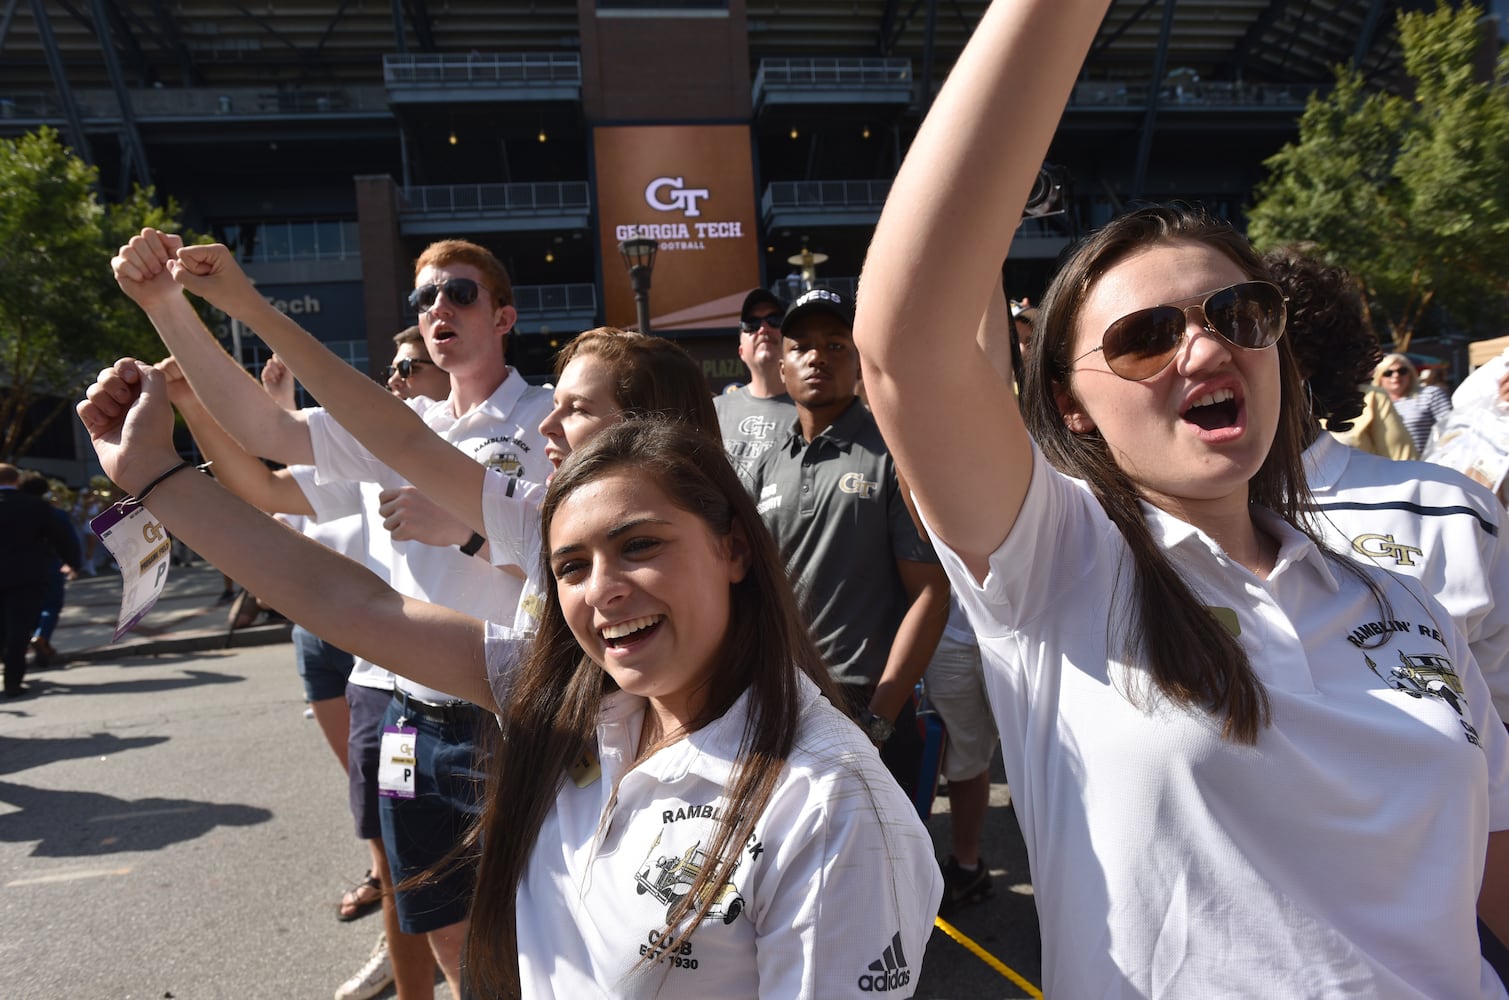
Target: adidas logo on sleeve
point(889, 971)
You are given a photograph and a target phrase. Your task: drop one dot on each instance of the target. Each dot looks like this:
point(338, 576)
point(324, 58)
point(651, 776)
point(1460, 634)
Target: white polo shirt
point(502, 433)
point(834, 894)
point(334, 502)
point(1428, 522)
point(511, 521)
point(1341, 855)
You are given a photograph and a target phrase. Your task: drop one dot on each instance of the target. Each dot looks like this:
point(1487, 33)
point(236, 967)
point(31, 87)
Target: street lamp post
point(639, 258)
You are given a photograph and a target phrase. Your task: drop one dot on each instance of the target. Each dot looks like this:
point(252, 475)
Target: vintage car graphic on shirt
point(500, 455)
point(1423, 675)
point(670, 877)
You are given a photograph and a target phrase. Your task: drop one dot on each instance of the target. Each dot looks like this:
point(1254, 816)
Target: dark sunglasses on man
point(462, 292)
point(404, 368)
point(753, 323)
point(1249, 315)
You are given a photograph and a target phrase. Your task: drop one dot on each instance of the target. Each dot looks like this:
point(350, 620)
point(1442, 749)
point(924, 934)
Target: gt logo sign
point(682, 199)
point(1384, 546)
point(853, 482)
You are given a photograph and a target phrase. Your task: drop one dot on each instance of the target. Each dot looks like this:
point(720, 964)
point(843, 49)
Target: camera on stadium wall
point(1048, 192)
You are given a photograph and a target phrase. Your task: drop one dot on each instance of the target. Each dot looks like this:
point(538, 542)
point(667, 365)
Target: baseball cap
point(819, 300)
point(759, 296)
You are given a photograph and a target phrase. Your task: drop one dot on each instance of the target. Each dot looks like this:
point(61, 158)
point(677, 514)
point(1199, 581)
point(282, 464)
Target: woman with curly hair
point(1410, 517)
point(1337, 357)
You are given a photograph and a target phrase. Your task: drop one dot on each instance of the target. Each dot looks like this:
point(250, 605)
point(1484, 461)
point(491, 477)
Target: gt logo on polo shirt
point(854, 482)
point(1384, 546)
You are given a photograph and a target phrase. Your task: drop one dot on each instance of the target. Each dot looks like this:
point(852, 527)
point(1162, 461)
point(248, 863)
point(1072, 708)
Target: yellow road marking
point(987, 957)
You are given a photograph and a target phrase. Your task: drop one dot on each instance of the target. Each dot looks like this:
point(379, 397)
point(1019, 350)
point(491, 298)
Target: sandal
point(362, 899)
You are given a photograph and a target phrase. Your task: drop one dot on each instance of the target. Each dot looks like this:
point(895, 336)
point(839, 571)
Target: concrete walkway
point(185, 619)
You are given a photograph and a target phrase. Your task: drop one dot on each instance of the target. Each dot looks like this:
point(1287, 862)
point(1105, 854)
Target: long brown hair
point(1191, 658)
point(551, 710)
point(652, 376)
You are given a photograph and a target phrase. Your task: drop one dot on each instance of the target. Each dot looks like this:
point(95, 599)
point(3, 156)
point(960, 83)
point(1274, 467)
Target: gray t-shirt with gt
point(752, 424)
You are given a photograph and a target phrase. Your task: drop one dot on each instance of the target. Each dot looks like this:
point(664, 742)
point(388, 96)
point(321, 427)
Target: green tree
point(62, 318)
point(1409, 193)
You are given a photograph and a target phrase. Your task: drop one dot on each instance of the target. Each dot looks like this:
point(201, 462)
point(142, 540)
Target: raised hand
point(211, 272)
point(141, 268)
point(412, 516)
point(130, 421)
point(180, 393)
point(279, 382)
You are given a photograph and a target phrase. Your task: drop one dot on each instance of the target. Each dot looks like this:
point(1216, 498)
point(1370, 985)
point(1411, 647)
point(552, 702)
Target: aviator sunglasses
point(405, 366)
point(753, 324)
point(461, 291)
point(1139, 345)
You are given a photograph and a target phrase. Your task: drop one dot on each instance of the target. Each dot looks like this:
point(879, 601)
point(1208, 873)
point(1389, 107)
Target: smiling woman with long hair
point(675, 807)
point(1243, 765)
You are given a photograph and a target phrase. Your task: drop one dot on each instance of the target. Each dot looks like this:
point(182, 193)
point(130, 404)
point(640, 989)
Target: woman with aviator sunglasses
point(1243, 767)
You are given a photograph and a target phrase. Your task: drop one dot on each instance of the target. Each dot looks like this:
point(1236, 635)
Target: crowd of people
point(624, 676)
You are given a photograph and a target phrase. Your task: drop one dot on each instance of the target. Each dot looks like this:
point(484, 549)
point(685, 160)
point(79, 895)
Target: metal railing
point(541, 300)
point(203, 102)
point(1195, 95)
point(478, 69)
point(262, 242)
point(791, 288)
point(798, 195)
point(834, 73)
point(546, 198)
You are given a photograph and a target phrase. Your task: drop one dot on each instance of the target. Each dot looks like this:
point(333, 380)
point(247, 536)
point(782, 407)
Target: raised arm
point(142, 269)
point(380, 421)
point(935, 263)
point(237, 469)
point(129, 419)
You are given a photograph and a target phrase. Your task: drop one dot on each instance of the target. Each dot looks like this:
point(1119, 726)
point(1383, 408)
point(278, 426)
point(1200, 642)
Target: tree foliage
point(1409, 193)
point(62, 318)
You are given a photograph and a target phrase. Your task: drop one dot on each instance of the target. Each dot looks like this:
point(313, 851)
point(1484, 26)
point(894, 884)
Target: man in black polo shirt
point(754, 416)
point(872, 588)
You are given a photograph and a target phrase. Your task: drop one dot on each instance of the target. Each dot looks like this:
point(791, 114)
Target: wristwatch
point(473, 544)
point(877, 727)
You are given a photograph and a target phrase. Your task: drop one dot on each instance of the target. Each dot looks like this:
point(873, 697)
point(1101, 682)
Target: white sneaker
point(372, 978)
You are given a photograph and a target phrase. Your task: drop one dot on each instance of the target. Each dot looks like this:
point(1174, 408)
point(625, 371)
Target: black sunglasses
point(1395, 371)
point(461, 291)
point(1139, 345)
point(753, 324)
point(404, 367)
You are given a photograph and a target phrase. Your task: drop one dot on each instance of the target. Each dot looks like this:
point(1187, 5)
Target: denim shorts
point(323, 667)
point(419, 833)
point(367, 707)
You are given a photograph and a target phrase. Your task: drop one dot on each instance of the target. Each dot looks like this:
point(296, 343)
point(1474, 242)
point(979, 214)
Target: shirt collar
point(1325, 461)
point(712, 751)
point(841, 432)
point(1294, 546)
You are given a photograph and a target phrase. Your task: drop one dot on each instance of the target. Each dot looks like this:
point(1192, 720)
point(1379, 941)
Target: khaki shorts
point(956, 688)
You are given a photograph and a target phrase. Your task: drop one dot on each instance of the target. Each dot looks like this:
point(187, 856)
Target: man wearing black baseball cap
point(870, 585)
point(752, 416)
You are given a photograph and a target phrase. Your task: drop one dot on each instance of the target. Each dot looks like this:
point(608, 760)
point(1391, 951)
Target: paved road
point(171, 826)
